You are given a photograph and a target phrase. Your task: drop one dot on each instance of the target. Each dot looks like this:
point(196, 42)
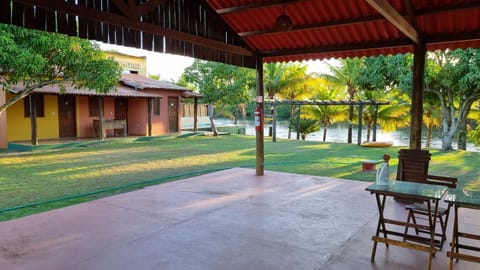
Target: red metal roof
point(348, 28)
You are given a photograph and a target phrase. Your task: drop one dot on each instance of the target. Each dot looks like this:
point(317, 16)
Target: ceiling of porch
point(234, 31)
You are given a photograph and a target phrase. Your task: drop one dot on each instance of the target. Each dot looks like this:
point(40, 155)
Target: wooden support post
point(101, 130)
point(417, 96)
point(274, 122)
point(195, 114)
point(375, 118)
point(149, 115)
point(259, 132)
point(298, 122)
point(360, 112)
point(350, 120)
point(33, 118)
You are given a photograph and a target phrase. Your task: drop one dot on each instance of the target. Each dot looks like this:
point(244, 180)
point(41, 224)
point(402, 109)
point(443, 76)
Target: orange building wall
point(3, 123)
point(84, 121)
point(160, 123)
point(137, 117)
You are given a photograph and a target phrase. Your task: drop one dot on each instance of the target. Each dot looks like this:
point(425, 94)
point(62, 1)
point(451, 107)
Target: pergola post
point(298, 122)
point(274, 121)
point(375, 119)
point(417, 96)
point(360, 114)
point(259, 131)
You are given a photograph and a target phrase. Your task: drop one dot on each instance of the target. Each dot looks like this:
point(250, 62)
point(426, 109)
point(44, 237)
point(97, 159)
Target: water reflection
point(338, 133)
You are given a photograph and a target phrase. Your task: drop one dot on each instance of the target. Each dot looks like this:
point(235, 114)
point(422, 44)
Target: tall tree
point(432, 116)
point(379, 79)
point(221, 85)
point(32, 59)
point(454, 78)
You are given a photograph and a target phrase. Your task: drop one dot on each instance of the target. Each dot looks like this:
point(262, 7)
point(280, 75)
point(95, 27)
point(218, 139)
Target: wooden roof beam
point(123, 21)
point(132, 10)
point(247, 7)
point(394, 17)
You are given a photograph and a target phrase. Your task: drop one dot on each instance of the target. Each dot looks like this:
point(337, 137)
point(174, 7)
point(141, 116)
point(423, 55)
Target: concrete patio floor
point(225, 220)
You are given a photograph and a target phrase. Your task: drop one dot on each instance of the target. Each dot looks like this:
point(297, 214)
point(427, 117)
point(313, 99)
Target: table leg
point(432, 219)
point(380, 224)
point(454, 244)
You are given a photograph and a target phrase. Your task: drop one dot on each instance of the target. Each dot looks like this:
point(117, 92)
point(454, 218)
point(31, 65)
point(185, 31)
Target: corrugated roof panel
point(355, 24)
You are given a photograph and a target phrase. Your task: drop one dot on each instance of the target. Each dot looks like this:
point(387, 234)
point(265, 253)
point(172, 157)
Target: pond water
point(338, 133)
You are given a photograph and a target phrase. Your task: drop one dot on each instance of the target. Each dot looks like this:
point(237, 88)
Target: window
point(93, 106)
point(39, 105)
point(156, 106)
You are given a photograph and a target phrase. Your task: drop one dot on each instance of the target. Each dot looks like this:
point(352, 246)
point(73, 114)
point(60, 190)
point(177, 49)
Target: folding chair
point(413, 166)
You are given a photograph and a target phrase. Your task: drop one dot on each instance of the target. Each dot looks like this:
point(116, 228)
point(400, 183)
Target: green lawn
point(101, 169)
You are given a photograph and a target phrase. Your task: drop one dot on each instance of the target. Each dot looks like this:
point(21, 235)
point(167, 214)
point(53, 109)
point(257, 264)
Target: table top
point(410, 189)
point(463, 197)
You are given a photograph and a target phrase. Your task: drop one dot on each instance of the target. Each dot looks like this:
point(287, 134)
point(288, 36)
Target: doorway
point(66, 116)
point(172, 114)
point(121, 112)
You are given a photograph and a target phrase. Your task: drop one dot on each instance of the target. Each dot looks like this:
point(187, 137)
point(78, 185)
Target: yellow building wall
point(130, 62)
point(19, 126)
point(3, 123)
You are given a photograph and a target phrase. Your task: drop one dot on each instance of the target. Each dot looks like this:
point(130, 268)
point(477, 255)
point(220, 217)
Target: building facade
point(138, 107)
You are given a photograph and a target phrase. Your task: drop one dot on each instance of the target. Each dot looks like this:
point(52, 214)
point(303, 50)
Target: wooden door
point(172, 114)
point(121, 111)
point(121, 107)
point(66, 116)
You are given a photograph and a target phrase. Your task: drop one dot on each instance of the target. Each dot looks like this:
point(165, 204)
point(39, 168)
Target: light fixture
point(283, 23)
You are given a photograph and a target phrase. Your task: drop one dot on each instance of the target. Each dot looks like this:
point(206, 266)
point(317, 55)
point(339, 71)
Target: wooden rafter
point(247, 7)
point(132, 10)
point(123, 7)
point(118, 20)
point(394, 17)
point(411, 13)
point(316, 26)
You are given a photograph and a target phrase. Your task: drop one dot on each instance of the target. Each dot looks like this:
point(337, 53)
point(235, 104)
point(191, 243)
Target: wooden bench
point(109, 125)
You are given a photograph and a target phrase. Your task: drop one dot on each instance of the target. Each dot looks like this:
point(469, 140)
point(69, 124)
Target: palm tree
point(273, 79)
point(327, 114)
point(305, 126)
point(296, 86)
point(389, 117)
point(347, 74)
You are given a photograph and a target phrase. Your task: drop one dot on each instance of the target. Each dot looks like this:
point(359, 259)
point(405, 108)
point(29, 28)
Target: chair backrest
point(413, 165)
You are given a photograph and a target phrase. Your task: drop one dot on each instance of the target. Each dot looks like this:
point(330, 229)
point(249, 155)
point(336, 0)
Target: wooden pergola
point(249, 33)
point(359, 103)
